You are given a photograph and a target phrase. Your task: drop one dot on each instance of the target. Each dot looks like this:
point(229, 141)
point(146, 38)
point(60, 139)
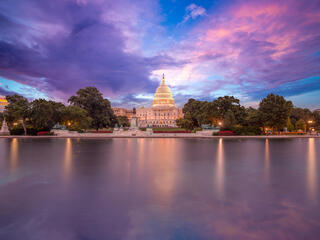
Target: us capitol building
point(163, 112)
point(3, 103)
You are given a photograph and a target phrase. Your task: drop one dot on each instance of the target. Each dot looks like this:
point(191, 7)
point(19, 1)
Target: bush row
point(30, 131)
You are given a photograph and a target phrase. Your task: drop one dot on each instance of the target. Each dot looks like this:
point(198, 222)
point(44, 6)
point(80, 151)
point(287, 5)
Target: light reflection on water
point(219, 174)
point(67, 165)
point(159, 189)
point(312, 170)
point(267, 160)
point(14, 154)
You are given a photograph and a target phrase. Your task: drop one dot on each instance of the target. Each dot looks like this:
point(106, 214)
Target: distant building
point(163, 112)
point(3, 103)
point(123, 112)
point(317, 110)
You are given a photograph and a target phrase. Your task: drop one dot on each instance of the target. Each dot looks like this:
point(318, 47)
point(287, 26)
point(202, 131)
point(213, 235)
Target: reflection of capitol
point(163, 112)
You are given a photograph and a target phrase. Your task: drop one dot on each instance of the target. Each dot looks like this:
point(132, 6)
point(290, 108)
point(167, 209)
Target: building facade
point(3, 103)
point(123, 112)
point(163, 112)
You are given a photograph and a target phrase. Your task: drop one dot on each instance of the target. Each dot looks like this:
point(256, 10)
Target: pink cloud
point(256, 44)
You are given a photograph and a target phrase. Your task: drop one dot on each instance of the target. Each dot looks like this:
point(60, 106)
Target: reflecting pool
point(83, 189)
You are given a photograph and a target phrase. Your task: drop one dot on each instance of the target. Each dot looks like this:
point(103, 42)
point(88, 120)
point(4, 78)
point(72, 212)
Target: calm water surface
point(77, 189)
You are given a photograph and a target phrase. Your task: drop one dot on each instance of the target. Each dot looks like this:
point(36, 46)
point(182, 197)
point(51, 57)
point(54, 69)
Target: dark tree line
point(224, 109)
point(87, 109)
point(274, 113)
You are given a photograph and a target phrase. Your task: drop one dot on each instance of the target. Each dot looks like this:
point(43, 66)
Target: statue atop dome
point(163, 81)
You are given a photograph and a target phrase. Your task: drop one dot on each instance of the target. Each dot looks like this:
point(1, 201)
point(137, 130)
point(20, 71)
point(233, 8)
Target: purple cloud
point(253, 45)
point(62, 46)
point(246, 48)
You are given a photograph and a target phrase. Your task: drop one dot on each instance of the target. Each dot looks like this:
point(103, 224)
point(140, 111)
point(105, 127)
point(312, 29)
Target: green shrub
point(246, 130)
point(74, 128)
point(17, 130)
point(32, 131)
point(143, 129)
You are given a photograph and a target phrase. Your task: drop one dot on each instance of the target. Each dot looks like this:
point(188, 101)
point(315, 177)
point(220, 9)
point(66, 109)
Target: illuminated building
point(163, 112)
point(3, 103)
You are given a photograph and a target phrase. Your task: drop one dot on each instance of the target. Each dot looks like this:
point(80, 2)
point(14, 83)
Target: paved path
point(158, 135)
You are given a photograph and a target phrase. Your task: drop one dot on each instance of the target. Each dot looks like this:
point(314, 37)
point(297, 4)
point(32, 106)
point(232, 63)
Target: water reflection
point(14, 154)
point(267, 160)
point(312, 170)
point(67, 162)
point(167, 157)
point(159, 189)
point(141, 153)
point(220, 168)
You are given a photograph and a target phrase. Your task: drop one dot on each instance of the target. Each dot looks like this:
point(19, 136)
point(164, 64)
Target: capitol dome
point(163, 96)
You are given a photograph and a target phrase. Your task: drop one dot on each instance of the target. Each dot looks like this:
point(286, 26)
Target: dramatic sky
point(206, 49)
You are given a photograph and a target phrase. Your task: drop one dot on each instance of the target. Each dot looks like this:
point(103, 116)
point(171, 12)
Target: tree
point(196, 112)
point(300, 113)
point(185, 122)
point(17, 109)
point(229, 119)
point(203, 112)
point(290, 126)
point(253, 117)
point(301, 125)
point(123, 121)
point(274, 111)
point(230, 103)
point(45, 114)
point(76, 117)
point(1, 119)
point(316, 116)
point(98, 108)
